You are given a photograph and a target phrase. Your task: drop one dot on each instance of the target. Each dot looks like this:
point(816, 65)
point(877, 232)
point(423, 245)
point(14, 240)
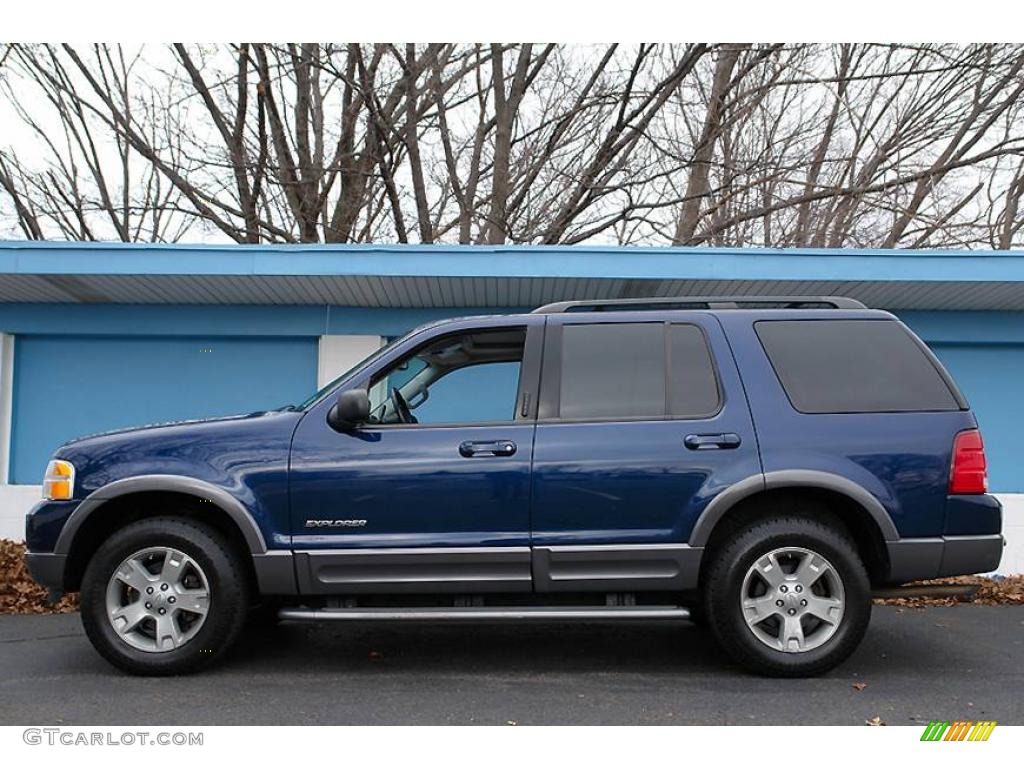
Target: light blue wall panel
point(66, 386)
point(992, 379)
point(983, 350)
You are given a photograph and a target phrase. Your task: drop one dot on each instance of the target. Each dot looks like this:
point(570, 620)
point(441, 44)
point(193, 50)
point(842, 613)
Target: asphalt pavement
point(916, 665)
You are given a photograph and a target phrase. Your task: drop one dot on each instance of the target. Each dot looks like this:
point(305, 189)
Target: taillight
point(968, 471)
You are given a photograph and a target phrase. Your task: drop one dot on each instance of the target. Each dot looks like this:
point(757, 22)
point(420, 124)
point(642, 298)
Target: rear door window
point(636, 371)
point(613, 370)
point(853, 366)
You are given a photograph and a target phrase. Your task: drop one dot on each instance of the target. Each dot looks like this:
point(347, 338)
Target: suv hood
point(147, 428)
point(216, 450)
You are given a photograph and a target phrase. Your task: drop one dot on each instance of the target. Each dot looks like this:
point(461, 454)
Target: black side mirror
point(351, 410)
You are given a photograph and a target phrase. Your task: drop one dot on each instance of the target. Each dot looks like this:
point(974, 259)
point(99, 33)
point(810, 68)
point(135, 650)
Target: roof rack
point(702, 302)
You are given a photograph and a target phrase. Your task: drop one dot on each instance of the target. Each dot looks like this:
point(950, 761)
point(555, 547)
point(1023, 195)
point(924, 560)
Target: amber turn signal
point(59, 480)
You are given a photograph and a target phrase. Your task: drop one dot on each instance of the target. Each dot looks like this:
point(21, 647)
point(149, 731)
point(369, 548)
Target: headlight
point(59, 480)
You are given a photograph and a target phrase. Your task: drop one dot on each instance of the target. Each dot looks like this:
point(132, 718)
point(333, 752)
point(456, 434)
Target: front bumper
point(47, 569)
point(930, 558)
point(45, 521)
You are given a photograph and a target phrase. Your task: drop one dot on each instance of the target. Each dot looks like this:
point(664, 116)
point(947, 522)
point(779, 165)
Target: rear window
point(853, 366)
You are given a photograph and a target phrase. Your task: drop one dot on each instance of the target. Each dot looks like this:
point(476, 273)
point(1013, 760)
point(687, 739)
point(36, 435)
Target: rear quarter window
point(853, 366)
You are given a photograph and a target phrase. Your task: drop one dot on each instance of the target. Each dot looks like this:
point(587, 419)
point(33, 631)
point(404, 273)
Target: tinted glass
point(612, 370)
point(693, 390)
point(853, 366)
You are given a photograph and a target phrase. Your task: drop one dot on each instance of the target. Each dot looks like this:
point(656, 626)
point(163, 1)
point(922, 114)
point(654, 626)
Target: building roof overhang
point(497, 276)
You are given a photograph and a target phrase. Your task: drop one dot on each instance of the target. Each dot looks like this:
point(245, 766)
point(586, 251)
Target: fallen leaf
point(876, 720)
point(860, 686)
point(18, 592)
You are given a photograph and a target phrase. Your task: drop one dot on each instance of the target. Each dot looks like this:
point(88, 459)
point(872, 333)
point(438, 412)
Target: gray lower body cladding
point(47, 569)
point(593, 568)
point(423, 570)
point(930, 558)
point(612, 568)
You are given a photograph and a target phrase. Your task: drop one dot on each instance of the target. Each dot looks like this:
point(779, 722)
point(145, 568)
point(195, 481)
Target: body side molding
point(791, 478)
point(616, 567)
point(420, 570)
point(174, 483)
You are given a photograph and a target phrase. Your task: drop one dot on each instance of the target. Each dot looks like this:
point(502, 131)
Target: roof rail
point(702, 302)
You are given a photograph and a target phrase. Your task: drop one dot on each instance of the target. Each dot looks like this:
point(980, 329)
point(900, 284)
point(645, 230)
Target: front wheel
point(788, 596)
point(163, 596)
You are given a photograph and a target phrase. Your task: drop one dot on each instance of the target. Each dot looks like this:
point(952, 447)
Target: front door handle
point(471, 449)
point(707, 442)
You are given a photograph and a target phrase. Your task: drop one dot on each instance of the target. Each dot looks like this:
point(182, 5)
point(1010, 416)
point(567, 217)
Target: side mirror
point(351, 410)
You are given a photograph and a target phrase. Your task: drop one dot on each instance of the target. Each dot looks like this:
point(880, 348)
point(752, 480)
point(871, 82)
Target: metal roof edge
point(629, 262)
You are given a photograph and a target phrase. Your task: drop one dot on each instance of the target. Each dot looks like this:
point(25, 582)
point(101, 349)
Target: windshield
point(320, 393)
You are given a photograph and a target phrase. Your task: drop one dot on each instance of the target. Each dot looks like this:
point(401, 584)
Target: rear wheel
point(788, 596)
point(164, 596)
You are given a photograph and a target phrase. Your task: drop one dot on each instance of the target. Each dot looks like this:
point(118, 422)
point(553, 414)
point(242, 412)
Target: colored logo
point(959, 730)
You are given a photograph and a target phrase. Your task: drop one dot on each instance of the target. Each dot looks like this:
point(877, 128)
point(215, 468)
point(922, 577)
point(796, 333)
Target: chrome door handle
point(471, 449)
point(706, 442)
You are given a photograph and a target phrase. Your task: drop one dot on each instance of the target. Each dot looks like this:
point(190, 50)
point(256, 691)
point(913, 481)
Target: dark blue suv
point(758, 464)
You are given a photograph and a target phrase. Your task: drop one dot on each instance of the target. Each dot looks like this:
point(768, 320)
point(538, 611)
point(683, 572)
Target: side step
point(496, 613)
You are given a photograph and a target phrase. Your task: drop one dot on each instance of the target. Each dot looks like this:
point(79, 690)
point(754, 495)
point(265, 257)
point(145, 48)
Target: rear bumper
point(930, 558)
point(47, 569)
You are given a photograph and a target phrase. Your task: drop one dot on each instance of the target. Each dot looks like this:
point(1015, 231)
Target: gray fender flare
point(174, 483)
point(790, 478)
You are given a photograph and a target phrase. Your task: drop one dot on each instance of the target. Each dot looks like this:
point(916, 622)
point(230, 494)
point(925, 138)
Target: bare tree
point(722, 144)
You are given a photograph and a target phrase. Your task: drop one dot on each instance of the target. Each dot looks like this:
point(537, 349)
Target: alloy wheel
point(792, 599)
point(158, 599)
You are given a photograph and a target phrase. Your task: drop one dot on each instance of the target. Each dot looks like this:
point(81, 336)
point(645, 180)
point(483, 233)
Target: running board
point(498, 613)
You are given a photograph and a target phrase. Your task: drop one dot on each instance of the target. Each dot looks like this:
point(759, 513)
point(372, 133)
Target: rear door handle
point(471, 449)
point(707, 442)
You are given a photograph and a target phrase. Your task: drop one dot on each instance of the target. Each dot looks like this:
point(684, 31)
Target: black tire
point(808, 528)
point(228, 601)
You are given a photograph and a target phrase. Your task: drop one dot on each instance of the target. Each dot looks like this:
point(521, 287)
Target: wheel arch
point(867, 521)
point(125, 501)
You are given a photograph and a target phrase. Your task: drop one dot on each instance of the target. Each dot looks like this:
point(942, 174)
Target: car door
point(640, 424)
point(438, 501)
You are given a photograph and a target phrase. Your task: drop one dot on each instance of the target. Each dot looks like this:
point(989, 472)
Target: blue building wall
point(89, 367)
point(66, 386)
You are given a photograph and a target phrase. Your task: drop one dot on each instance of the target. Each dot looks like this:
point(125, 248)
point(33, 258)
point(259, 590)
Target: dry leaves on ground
point(999, 590)
point(18, 593)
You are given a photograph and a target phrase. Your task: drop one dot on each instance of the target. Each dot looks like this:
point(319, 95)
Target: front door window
point(465, 378)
